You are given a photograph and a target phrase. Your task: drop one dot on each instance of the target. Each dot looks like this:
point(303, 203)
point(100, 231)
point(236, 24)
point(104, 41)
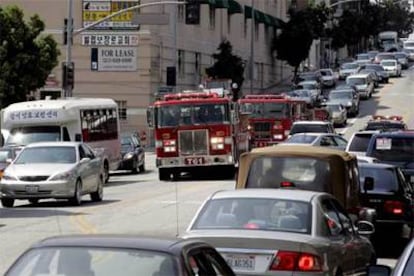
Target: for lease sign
point(117, 59)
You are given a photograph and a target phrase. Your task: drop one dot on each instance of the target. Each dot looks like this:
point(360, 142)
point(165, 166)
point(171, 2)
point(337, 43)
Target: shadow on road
point(33, 212)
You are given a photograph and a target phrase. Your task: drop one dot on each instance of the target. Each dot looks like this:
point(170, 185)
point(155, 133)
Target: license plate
point(241, 262)
point(194, 160)
point(32, 189)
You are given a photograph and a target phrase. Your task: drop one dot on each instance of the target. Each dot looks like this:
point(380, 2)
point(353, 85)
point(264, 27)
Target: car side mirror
point(378, 270)
point(85, 160)
point(365, 227)
point(368, 183)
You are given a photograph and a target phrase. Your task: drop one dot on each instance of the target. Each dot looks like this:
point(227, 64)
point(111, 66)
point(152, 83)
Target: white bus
point(94, 121)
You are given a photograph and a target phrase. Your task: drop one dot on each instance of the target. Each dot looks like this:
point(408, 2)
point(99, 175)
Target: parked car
point(403, 267)
point(392, 67)
point(402, 58)
point(374, 75)
point(358, 143)
point(329, 140)
point(304, 167)
point(364, 84)
point(311, 126)
point(383, 75)
point(112, 254)
point(347, 98)
point(7, 155)
point(391, 196)
point(133, 153)
point(338, 113)
point(61, 170)
point(283, 232)
point(347, 69)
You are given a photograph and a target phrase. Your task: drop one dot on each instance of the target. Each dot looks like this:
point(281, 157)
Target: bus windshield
point(26, 135)
point(266, 110)
point(192, 114)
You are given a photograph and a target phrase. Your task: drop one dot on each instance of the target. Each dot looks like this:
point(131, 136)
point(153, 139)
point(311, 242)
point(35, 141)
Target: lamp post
point(70, 33)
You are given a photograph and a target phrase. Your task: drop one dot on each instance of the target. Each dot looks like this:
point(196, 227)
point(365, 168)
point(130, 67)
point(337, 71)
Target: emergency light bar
point(387, 117)
point(266, 96)
point(190, 95)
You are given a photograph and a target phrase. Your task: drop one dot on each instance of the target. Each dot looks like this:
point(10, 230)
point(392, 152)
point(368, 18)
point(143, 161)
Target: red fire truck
point(271, 116)
point(197, 131)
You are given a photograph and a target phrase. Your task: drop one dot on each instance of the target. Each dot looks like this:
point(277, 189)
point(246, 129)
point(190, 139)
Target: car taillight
point(296, 261)
point(394, 207)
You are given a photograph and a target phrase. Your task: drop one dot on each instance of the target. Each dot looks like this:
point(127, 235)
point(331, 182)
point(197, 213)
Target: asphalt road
point(143, 205)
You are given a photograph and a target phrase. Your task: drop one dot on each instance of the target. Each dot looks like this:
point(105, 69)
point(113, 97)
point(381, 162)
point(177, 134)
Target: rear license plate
point(31, 189)
point(194, 160)
point(241, 262)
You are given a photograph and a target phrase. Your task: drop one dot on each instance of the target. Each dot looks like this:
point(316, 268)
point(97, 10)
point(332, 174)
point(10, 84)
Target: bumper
point(195, 161)
point(363, 93)
point(28, 190)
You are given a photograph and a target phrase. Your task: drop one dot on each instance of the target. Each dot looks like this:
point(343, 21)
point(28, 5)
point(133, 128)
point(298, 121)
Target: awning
point(258, 15)
point(222, 4)
point(234, 7)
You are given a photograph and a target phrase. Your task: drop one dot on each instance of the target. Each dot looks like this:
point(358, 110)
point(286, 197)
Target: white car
point(392, 67)
point(347, 69)
point(358, 143)
point(312, 86)
point(330, 140)
point(311, 126)
point(329, 78)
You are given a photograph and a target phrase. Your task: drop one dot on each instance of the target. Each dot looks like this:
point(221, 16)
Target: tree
point(227, 65)
point(294, 43)
point(26, 56)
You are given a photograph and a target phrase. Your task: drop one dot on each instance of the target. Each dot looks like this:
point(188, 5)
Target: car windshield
point(388, 63)
point(4, 155)
point(340, 95)
point(375, 67)
point(53, 155)
point(356, 81)
point(334, 107)
point(302, 128)
point(299, 93)
point(26, 135)
point(255, 214)
point(265, 109)
point(400, 55)
point(385, 56)
point(310, 86)
point(301, 139)
point(93, 261)
point(191, 114)
point(385, 179)
point(394, 149)
point(349, 66)
point(326, 72)
point(360, 142)
point(303, 172)
point(363, 57)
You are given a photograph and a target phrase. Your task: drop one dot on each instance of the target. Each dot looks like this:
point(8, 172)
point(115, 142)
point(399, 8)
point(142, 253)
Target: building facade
point(126, 59)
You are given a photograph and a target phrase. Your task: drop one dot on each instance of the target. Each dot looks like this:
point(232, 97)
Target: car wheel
point(142, 167)
point(7, 202)
point(134, 168)
point(76, 200)
point(34, 201)
point(98, 194)
point(106, 172)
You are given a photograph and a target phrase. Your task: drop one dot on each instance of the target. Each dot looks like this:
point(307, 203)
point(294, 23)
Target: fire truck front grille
point(262, 126)
point(193, 142)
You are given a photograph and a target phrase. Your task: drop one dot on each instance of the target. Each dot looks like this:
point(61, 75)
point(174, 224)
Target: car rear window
point(393, 149)
point(384, 126)
point(298, 128)
point(301, 139)
point(360, 142)
point(302, 172)
point(385, 179)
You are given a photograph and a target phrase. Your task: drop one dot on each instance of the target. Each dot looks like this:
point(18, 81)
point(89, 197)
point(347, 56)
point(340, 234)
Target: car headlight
point(63, 176)
point(7, 176)
point(349, 104)
point(129, 155)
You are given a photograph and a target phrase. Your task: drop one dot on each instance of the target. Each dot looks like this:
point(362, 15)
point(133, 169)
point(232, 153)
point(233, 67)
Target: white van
point(363, 83)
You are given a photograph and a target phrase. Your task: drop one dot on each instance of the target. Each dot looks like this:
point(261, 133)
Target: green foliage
point(26, 56)
point(294, 43)
point(227, 65)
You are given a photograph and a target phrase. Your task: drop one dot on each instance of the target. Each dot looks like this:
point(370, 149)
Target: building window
point(245, 28)
point(229, 24)
point(181, 13)
point(256, 30)
point(198, 63)
point(212, 18)
point(181, 64)
point(122, 110)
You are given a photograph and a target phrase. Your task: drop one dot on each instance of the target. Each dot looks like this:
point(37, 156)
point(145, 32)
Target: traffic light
point(171, 76)
point(65, 32)
point(192, 12)
point(68, 75)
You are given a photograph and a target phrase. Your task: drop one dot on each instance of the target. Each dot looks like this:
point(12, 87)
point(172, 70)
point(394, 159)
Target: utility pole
point(252, 50)
point(69, 35)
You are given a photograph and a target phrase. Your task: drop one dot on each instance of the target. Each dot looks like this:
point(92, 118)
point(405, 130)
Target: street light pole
point(252, 50)
point(69, 26)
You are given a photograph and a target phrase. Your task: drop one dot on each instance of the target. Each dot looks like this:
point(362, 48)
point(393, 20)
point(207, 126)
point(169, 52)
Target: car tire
point(142, 167)
point(34, 201)
point(106, 172)
point(76, 200)
point(98, 194)
point(134, 168)
point(7, 202)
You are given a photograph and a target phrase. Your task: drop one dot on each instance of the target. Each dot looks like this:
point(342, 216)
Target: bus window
point(66, 136)
point(30, 134)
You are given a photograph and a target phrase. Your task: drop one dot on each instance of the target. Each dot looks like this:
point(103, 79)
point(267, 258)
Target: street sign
point(151, 19)
point(93, 10)
point(110, 39)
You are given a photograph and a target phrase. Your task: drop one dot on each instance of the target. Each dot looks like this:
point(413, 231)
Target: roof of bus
point(63, 103)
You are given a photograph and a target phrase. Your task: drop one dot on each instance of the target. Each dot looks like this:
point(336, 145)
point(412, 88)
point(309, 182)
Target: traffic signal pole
point(70, 33)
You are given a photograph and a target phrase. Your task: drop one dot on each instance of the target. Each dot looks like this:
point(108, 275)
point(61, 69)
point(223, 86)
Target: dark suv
point(133, 153)
point(392, 197)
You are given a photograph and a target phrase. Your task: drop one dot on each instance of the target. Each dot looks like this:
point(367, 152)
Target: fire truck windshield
point(266, 110)
point(181, 115)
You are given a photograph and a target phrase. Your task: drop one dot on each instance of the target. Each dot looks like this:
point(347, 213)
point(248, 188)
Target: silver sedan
point(330, 140)
point(61, 170)
point(283, 232)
